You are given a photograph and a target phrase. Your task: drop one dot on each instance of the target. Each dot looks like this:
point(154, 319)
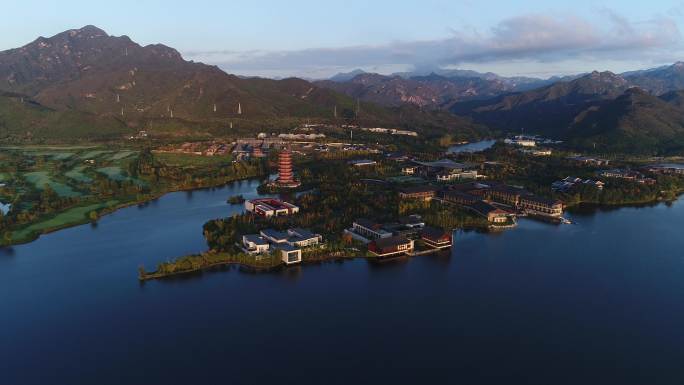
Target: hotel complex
point(270, 207)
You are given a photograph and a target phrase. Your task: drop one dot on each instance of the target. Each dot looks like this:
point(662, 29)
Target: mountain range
point(86, 84)
point(110, 77)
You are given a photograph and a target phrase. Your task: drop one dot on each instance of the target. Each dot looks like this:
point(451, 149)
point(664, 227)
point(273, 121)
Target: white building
point(289, 255)
point(254, 244)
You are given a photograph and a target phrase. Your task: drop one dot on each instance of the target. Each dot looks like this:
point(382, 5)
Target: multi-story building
point(270, 207)
point(436, 238)
point(425, 193)
point(369, 229)
point(254, 244)
point(460, 197)
point(392, 246)
point(504, 194)
point(289, 254)
point(541, 206)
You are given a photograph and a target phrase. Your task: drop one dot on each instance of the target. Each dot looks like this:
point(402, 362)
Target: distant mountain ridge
point(90, 71)
point(437, 89)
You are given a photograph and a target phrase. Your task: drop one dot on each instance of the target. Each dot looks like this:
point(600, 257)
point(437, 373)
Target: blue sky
point(319, 38)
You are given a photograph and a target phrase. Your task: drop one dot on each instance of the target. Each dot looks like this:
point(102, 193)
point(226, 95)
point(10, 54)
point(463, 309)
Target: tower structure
point(286, 177)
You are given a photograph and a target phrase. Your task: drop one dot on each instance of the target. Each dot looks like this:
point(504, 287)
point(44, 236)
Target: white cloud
point(536, 38)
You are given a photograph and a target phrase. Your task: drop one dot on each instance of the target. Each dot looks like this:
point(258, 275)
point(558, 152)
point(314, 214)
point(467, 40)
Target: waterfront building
point(425, 193)
point(270, 207)
point(369, 229)
point(289, 254)
point(392, 246)
point(493, 214)
point(254, 244)
point(541, 206)
point(505, 194)
point(435, 238)
point(303, 238)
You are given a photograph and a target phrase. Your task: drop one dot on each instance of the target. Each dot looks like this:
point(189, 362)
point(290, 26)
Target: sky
point(316, 39)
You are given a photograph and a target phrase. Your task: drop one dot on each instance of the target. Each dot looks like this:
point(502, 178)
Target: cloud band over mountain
point(533, 37)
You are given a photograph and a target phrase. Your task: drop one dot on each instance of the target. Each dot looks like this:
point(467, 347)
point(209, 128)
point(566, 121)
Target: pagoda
point(286, 177)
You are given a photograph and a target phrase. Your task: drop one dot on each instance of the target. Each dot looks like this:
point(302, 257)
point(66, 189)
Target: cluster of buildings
point(398, 238)
point(287, 244)
point(628, 175)
point(391, 131)
point(666, 169)
point(588, 161)
point(499, 203)
point(270, 207)
point(292, 136)
point(522, 141)
point(444, 170)
point(569, 183)
point(201, 148)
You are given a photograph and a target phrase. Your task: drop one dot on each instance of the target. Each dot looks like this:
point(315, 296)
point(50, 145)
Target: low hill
point(635, 122)
point(548, 110)
point(25, 120)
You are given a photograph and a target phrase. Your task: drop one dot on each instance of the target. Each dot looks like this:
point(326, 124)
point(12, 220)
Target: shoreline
point(337, 256)
point(109, 210)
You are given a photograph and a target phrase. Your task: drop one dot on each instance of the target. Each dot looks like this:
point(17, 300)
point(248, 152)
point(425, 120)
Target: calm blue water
point(593, 303)
point(471, 147)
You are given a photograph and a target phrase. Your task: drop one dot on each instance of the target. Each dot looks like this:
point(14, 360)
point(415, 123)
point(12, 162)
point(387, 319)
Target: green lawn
point(113, 172)
point(122, 154)
point(71, 216)
point(40, 178)
point(77, 174)
point(93, 154)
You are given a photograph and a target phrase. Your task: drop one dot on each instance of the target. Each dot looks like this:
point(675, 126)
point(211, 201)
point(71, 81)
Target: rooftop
point(391, 241)
point(256, 239)
point(433, 233)
point(443, 163)
point(275, 234)
point(418, 189)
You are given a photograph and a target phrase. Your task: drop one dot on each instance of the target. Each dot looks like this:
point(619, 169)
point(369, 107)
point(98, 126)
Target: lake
point(597, 302)
point(471, 147)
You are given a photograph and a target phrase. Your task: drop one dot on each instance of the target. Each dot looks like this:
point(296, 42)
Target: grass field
point(4, 176)
point(113, 172)
point(93, 154)
point(174, 159)
point(40, 178)
point(122, 155)
point(77, 174)
point(71, 216)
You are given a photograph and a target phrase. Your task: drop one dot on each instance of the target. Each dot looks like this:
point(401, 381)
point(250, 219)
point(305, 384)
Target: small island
point(398, 205)
point(236, 199)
